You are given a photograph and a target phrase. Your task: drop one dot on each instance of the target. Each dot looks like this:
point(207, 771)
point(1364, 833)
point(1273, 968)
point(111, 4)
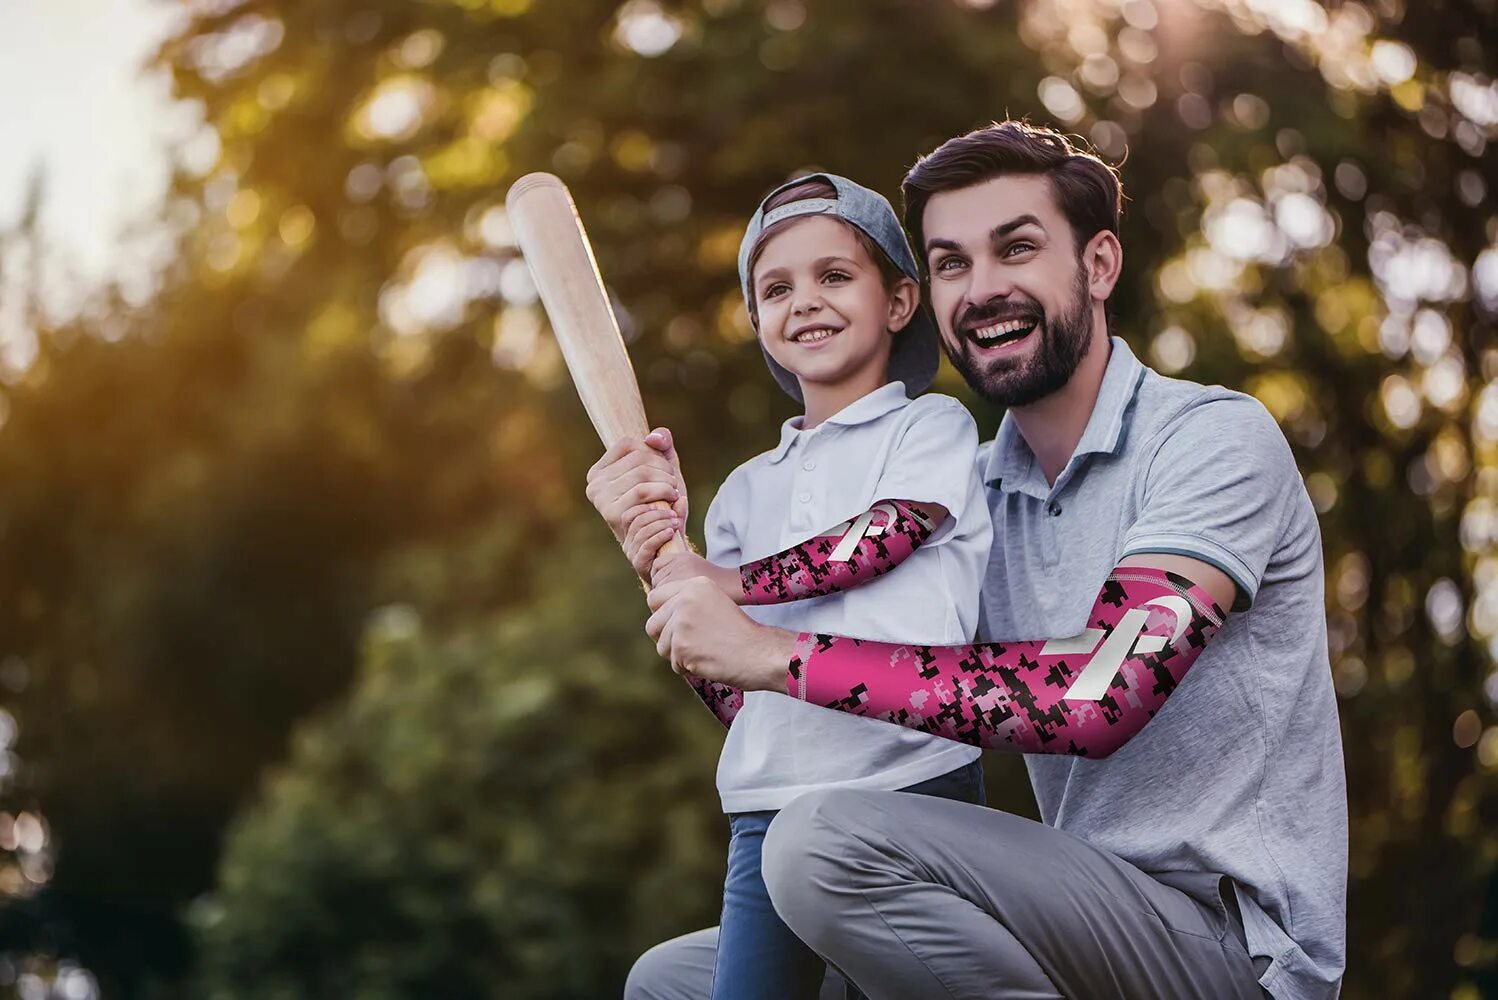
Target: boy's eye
point(771, 291)
point(835, 276)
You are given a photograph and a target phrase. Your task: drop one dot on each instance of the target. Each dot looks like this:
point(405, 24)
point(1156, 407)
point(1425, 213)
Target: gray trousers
point(912, 897)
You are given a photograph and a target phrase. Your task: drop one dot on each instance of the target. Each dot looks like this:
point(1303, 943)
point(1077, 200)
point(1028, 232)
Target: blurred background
point(318, 676)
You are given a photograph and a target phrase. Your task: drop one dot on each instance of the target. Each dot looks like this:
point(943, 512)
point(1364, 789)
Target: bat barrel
point(552, 238)
point(556, 247)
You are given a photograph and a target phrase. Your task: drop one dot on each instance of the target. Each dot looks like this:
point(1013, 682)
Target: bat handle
point(676, 543)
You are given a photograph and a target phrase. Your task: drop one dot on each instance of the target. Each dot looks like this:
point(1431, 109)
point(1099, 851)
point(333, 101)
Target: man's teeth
point(811, 336)
point(1001, 332)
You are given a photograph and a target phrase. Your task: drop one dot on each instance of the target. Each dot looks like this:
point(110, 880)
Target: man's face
point(1010, 294)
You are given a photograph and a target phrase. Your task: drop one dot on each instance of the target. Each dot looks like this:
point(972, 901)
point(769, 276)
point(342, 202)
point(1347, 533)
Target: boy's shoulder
point(930, 407)
point(932, 417)
point(737, 479)
point(930, 403)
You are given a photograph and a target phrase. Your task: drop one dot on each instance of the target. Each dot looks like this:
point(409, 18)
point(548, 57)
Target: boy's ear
point(904, 300)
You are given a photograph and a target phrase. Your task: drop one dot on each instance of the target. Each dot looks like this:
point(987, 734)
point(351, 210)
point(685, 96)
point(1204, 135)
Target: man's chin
point(991, 377)
point(1005, 383)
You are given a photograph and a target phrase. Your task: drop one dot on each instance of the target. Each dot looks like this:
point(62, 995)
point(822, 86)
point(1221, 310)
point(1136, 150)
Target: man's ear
point(904, 300)
point(1103, 259)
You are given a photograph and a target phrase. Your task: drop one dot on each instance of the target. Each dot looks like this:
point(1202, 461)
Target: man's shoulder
point(1212, 417)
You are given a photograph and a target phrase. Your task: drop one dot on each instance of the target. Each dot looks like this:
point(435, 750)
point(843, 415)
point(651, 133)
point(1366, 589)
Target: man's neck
point(1053, 426)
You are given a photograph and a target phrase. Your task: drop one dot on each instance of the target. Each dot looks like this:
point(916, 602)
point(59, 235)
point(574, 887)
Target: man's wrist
point(774, 648)
point(733, 586)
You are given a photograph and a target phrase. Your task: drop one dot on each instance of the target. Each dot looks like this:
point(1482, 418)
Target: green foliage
point(208, 496)
point(518, 809)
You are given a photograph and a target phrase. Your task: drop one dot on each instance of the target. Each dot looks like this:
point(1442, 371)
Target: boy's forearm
point(850, 555)
point(722, 700)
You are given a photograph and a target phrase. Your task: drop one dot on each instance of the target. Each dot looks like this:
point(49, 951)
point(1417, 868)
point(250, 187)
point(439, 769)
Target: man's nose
point(990, 282)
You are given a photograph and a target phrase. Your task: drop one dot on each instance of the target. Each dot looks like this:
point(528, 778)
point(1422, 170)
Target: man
point(1201, 855)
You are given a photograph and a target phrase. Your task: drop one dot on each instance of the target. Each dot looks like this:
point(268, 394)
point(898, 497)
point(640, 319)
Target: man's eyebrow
point(999, 232)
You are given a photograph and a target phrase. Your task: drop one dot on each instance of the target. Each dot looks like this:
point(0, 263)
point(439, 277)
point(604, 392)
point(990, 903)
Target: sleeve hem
point(1196, 547)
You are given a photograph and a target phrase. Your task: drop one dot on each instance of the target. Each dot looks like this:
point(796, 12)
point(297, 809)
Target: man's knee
point(645, 977)
point(679, 969)
point(810, 850)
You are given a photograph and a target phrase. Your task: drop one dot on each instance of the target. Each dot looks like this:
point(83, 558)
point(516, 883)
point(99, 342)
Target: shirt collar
point(1011, 462)
point(865, 409)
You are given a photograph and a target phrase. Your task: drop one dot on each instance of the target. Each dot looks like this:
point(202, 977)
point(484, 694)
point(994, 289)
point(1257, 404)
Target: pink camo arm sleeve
point(1085, 696)
point(721, 699)
point(851, 554)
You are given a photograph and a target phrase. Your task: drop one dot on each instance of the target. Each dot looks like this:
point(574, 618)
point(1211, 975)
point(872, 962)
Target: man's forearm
point(762, 657)
point(1085, 696)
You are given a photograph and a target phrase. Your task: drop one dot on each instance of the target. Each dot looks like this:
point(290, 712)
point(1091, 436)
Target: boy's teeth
point(802, 338)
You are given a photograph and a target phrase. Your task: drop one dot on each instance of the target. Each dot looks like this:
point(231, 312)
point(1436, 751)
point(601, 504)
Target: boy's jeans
point(759, 958)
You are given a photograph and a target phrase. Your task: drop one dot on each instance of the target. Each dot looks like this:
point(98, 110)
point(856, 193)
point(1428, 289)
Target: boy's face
point(824, 313)
point(1009, 291)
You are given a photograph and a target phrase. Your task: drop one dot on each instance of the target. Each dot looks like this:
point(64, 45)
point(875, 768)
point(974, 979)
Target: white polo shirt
point(881, 447)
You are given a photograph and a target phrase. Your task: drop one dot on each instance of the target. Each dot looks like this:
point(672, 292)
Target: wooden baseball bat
point(556, 247)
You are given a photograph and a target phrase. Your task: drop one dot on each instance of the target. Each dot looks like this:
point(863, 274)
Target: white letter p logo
point(1126, 639)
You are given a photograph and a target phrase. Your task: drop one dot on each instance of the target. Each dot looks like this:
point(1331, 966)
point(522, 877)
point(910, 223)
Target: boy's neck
point(823, 401)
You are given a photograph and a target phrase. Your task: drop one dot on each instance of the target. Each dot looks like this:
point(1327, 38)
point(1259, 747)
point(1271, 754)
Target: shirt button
point(804, 497)
point(1053, 508)
point(808, 465)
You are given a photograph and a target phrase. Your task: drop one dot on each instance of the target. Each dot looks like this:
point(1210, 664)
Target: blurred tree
point(345, 398)
point(515, 810)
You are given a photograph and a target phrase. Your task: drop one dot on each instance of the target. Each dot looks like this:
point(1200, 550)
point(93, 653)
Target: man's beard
point(1064, 342)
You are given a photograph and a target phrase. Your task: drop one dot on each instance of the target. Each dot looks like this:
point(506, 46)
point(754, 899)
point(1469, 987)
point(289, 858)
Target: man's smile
point(998, 333)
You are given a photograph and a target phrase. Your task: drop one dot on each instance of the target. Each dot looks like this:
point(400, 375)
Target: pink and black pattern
point(722, 700)
point(1085, 696)
point(847, 556)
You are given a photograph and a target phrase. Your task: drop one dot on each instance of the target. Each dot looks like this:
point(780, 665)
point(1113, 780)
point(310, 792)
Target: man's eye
point(950, 264)
point(1018, 246)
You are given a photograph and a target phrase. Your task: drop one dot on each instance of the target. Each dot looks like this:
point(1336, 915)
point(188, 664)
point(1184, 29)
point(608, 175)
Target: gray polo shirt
point(1241, 772)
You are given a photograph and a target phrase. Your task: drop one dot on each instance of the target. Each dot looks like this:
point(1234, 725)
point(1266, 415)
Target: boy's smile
point(814, 334)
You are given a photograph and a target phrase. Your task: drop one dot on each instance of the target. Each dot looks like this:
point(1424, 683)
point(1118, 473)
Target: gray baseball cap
point(916, 352)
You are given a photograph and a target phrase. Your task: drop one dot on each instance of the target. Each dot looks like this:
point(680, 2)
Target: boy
point(831, 287)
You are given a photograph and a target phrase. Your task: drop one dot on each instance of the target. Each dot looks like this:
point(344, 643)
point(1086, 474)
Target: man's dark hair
point(1087, 189)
